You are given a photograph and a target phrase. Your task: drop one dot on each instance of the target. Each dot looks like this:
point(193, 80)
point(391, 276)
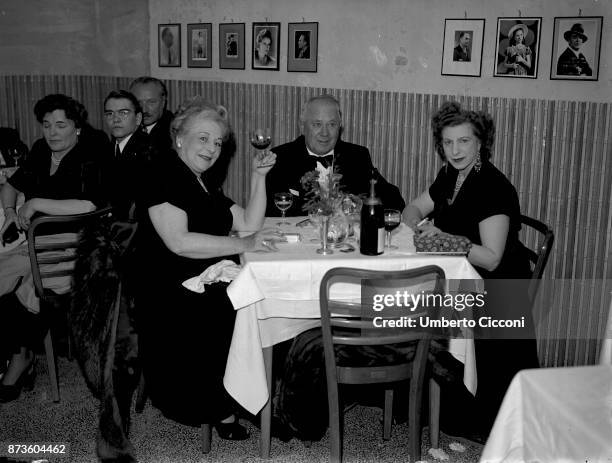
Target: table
point(554, 414)
point(276, 297)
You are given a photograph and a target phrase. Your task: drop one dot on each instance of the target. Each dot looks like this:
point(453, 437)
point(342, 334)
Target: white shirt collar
point(148, 128)
point(319, 155)
point(123, 142)
point(577, 53)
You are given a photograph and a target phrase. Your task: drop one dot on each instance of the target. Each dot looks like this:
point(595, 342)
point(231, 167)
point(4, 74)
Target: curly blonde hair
point(198, 108)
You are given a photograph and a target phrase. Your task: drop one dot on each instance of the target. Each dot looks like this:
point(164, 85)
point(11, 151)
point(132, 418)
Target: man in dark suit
point(133, 149)
point(462, 52)
point(320, 144)
point(152, 95)
point(571, 62)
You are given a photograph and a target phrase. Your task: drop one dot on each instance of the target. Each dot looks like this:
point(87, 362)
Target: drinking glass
point(16, 155)
point(260, 138)
point(351, 206)
point(392, 221)
point(283, 201)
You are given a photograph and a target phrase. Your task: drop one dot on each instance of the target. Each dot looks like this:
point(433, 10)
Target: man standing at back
point(319, 147)
point(152, 95)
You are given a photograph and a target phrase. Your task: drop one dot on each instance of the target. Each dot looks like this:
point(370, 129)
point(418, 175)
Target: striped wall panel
point(558, 154)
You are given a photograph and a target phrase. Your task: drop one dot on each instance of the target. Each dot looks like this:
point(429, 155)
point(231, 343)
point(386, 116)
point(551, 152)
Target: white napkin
point(225, 270)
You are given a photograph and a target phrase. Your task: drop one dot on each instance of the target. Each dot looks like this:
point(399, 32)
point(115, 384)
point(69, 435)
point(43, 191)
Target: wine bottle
point(372, 235)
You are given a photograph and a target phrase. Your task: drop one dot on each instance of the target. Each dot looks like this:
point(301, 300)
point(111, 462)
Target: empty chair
point(351, 324)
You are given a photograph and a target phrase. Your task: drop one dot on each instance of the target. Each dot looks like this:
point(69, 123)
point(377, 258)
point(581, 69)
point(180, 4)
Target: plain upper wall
point(74, 37)
point(391, 45)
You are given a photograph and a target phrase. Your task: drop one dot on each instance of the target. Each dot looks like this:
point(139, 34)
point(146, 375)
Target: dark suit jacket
point(160, 134)
point(352, 161)
point(460, 55)
point(126, 172)
point(568, 64)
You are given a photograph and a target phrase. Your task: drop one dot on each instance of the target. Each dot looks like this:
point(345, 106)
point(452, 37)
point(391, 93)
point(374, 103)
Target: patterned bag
point(443, 242)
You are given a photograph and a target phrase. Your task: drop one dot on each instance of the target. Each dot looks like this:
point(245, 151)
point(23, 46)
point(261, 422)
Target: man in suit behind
point(319, 147)
point(571, 62)
point(152, 95)
point(463, 52)
point(132, 150)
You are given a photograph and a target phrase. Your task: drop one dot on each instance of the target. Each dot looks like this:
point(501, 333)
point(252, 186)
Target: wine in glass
point(260, 138)
point(392, 221)
point(283, 201)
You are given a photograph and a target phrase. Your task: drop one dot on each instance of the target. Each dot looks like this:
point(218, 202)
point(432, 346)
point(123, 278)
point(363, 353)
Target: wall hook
point(267, 19)
point(579, 11)
point(303, 20)
point(519, 11)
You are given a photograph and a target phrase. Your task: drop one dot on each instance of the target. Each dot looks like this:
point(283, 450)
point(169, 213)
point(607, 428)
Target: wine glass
point(283, 201)
point(260, 138)
point(392, 221)
point(16, 155)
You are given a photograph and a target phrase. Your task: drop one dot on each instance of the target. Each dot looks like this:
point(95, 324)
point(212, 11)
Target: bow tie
point(325, 161)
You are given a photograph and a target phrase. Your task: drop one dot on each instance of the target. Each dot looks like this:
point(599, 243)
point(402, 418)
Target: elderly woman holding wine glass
point(470, 197)
point(185, 336)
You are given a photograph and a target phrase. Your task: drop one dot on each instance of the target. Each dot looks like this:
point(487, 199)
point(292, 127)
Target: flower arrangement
point(323, 193)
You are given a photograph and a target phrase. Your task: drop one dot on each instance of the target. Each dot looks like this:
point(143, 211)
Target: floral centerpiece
point(324, 205)
point(322, 191)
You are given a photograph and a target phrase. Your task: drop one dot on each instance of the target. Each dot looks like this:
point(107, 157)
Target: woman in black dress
point(472, 198)
point(185, 336)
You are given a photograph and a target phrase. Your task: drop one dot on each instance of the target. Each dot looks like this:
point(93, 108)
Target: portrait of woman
point(517, 47)
point(265, 43)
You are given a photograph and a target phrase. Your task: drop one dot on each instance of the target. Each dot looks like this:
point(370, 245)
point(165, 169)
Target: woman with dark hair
point(517, 56)
point(60, 176)
point(470, 197)
point(184, 336)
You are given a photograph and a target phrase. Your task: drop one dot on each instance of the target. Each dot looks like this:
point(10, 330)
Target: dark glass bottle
point(372, 237)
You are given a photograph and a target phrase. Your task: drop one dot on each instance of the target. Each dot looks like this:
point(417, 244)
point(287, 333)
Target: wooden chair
point(349, 323)
point(42, 256)
point(539, 256)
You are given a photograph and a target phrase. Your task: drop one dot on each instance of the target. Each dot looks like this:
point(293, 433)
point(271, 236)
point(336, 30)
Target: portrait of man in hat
point(571, 61)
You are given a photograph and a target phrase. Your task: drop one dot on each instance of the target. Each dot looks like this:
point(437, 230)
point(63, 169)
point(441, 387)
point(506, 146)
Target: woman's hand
point(10, 216)
point(264, 240)
point(263, 161)
point(25, 214)
point(428, 229)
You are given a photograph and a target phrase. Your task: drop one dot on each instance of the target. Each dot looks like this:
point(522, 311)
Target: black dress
point(498, 357)
point(184, 337)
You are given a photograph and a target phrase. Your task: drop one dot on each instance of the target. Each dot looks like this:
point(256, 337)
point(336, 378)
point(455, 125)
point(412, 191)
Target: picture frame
point(266, 42)
point(302, 46)
point(517, 50)
point(199, 45)
point(462, 47)
point(231, 46)
point(169, 45)
point(565, 65)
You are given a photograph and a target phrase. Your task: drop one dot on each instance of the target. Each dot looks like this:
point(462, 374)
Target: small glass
point(393, 218)
point(283, 201)
point(260, 138)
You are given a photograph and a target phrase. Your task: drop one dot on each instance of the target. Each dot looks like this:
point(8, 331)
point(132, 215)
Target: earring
point(78, 132)
point(478, 163)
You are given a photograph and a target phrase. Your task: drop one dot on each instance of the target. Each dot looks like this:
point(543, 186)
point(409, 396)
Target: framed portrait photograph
point(302, 47)
point(231, 46)
point(462, 47)
point(199, 45)
point(517, 50)
point(266, 46)
point(169, 45)
point(576, 48)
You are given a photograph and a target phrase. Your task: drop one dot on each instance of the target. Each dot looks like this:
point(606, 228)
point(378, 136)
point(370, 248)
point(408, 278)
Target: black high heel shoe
point(25, 382)
point(232, 431)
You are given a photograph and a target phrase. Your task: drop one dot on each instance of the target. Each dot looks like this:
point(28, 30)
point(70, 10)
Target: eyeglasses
point(122, 114)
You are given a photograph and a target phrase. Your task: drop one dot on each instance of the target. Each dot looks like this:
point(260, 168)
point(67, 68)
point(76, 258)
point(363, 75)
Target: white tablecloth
point(554, 415)
point(276, 297)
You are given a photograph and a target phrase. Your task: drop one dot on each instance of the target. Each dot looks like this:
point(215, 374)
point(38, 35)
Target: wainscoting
point(558, 154)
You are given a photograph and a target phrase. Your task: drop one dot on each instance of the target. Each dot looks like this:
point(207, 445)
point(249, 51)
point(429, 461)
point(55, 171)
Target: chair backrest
point(47, 251)
point(352, 323)
point(539, 256)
